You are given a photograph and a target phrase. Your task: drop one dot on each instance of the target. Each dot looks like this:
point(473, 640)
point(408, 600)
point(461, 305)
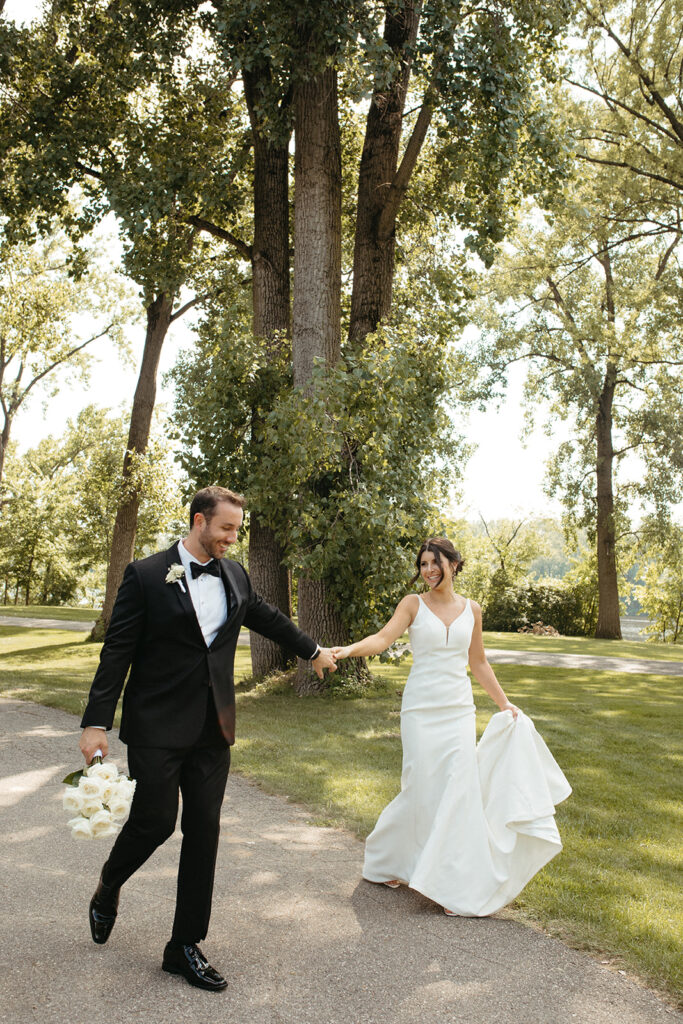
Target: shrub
point(511, 606)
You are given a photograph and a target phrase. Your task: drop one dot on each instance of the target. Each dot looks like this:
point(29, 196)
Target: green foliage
point(56, 299)
point(115, 102)
point(348, 475)
point(59, 503)
point(661, 593)
point(477, 69)
point(596, 317)
point(512, 606)
point(630, 60)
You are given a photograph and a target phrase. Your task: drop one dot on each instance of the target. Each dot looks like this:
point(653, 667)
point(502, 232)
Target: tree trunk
point(123, 539)
point(29, 579)
point(46, 583)
point(317, 292)
point(270, 579)
point(317, 227)
point(374, 252)
point(4, 440)
point(271, 296)
point(609, 624)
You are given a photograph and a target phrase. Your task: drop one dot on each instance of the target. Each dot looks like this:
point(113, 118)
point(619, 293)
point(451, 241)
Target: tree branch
point(665, 256)
point(640, 71)
point(678, 185)
point(609, 99)
point(88, 170)
point(63, 359)
point(246, 251)
point(397, 189)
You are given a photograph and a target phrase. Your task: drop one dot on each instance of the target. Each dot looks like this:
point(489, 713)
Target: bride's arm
point(378, 642)
point(481, 670)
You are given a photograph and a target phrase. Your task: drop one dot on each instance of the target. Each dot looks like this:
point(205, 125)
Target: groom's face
point(215, 535)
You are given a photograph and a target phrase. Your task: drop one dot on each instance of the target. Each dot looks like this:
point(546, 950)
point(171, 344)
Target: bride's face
point(432, 573)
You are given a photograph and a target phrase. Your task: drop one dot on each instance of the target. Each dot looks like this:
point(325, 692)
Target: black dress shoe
point(194, 967)
point(102, 912)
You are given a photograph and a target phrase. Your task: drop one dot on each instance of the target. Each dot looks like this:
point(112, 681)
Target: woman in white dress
point(472, 824)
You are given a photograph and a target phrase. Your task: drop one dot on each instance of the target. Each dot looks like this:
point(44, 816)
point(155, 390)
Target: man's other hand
point(92, 740)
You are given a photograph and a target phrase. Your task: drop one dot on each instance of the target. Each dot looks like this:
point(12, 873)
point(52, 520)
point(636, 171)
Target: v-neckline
point(453, 621)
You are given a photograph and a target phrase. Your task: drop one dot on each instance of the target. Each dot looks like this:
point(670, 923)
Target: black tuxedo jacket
point(154, 632)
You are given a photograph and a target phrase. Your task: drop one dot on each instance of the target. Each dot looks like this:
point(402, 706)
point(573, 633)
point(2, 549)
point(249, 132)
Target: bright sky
point(502, 478)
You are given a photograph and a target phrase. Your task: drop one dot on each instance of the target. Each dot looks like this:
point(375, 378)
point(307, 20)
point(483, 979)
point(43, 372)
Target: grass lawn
point(43, 611)
point(615, 889)
point(584, 645)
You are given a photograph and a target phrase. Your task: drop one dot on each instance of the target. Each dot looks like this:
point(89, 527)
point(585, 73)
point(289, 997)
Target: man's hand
point(324, 659)
point(91, 740)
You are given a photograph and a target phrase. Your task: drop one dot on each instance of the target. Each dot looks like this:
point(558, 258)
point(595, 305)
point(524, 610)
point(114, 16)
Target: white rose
point(102, 825)
point(92, 787)
point(72, 800)
point(108, 791)
point(80, 828)
point(105, 770)
point(125, 788)
point(91, 805)
point(119, 807)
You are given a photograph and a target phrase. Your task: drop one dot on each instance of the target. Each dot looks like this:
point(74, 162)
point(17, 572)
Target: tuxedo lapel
point(182, 592)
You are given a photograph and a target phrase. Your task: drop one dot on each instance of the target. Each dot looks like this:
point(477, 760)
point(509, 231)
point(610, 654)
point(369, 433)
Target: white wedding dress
point(472, 824)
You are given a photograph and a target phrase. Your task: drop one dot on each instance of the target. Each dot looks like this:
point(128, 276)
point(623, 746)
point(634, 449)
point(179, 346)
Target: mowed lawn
point(45, 611)
point(616, 887)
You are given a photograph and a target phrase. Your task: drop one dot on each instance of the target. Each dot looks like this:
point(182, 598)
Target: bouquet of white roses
point(100, 798)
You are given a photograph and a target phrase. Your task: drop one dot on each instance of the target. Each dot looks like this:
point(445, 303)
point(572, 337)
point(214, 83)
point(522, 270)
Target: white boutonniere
point(176, 575)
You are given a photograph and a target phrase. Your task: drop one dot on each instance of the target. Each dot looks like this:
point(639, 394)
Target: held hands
point(341, 652)
point(91, 740)
point(324, 659)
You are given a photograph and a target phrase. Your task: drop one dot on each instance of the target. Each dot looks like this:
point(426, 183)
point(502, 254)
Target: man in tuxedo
point(175, 625)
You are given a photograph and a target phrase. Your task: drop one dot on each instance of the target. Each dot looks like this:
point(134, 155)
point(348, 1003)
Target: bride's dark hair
point(440, 547)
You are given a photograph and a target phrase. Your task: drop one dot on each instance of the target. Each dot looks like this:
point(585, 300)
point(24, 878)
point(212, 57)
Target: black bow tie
point(211, 567)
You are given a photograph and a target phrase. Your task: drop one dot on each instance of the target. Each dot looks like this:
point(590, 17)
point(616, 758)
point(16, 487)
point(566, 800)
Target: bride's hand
point(511, 707)
point(341, 652)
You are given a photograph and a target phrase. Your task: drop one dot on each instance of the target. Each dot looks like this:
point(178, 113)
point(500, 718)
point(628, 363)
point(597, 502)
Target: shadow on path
point(299, 935)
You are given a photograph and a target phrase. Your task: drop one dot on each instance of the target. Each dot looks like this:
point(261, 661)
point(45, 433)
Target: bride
point(472, 823)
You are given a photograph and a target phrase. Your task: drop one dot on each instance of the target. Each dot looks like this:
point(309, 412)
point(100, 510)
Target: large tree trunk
point(317, 293)
point(271, 296)
point(125, 526)
point(609, 624)
point(375, 241)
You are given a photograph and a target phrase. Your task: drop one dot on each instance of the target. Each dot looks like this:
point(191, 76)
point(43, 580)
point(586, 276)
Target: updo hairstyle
point(442, 549)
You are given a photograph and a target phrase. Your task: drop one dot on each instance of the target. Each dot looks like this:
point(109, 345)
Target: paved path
point(302, 939)
point(638, 666)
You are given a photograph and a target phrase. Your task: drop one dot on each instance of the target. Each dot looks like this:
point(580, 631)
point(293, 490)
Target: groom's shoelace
point(196, 958)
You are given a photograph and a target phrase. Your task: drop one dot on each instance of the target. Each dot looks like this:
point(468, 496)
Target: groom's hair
point(205, 501)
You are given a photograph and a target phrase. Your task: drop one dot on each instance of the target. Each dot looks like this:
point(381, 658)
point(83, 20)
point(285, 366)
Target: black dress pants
point(200, 773)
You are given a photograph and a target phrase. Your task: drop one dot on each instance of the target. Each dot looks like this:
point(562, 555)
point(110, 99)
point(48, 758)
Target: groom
point(175, 625)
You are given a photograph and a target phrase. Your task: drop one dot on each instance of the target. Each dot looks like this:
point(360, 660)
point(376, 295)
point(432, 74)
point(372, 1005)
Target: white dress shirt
point(208, 596)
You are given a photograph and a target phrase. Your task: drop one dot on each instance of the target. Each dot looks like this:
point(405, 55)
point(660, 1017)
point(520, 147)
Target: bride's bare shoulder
point(410, 603)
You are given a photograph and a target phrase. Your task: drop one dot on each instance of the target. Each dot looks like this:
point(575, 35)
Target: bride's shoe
point(450, 913)
point(393, 884)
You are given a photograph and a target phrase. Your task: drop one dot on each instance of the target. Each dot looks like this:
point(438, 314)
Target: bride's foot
point(393, 884)
point(450, 913)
